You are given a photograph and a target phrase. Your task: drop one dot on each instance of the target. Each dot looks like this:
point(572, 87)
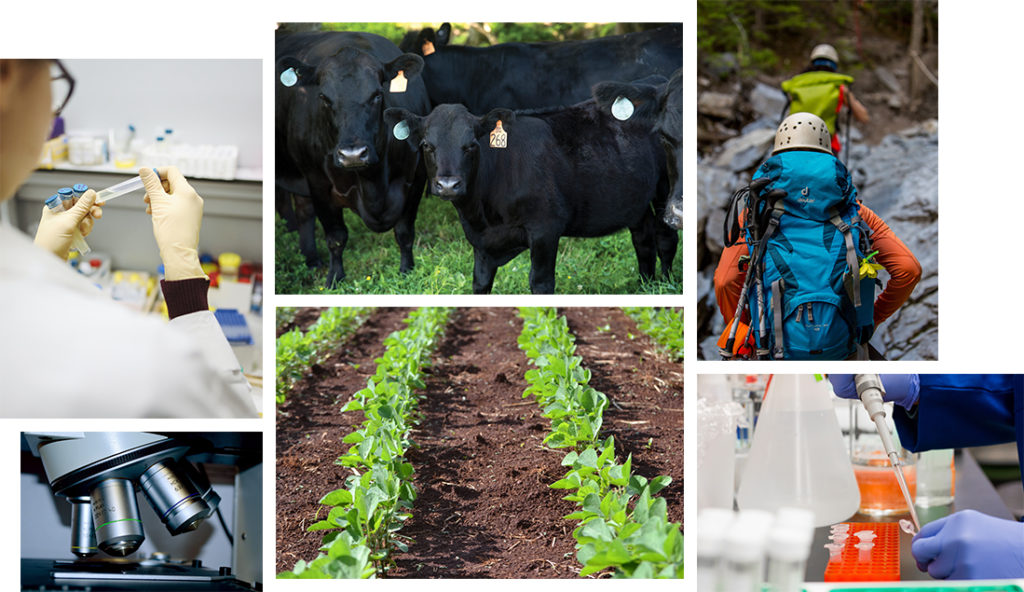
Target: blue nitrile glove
point(902, 389)
point(970, 545)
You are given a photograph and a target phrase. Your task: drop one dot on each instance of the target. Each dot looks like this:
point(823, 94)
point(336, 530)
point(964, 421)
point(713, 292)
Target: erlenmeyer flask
point(798, 457)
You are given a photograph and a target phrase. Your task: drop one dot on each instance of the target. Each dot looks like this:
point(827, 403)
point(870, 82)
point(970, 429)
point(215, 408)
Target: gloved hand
point(57, 228)
point(177, 215)
point(970, 545)
point(902, 389)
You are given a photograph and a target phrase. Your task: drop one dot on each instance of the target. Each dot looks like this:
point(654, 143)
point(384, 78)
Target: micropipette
point(122, 188)
point(871, 391)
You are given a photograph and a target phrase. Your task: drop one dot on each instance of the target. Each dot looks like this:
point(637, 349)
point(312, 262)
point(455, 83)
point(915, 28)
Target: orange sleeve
point(904, 269)
point(729, 280)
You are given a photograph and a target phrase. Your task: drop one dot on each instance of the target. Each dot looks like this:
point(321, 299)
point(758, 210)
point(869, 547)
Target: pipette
point(871, 391)
point(122, 188)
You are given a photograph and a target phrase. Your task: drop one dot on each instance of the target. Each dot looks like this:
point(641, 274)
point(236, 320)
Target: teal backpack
point(804, 292)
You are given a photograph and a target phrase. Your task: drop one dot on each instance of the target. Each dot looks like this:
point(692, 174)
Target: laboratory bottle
point(935, 476)
point(716, 452)
point(880, 492)
point(712, 526)
point(743, 553)
point(798, 457)
point(788, 549)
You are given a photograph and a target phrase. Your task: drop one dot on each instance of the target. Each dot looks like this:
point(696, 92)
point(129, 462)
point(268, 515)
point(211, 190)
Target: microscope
point(99, 474)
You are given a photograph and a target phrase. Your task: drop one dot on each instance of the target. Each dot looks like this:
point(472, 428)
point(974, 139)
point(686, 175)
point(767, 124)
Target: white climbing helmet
point(825, 51)
point(802, 131)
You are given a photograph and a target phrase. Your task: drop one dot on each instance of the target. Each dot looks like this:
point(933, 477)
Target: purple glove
point(970, 545)
point(902, 389)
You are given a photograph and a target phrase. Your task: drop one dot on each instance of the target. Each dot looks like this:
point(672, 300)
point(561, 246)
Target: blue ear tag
point(289, 77)
point(401, 130)
point(622, 109)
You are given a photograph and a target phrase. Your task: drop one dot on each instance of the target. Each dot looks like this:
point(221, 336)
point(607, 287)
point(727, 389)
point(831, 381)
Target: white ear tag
point(398, 83)
point(622, 109)
point(401, 130)
point(289, 77)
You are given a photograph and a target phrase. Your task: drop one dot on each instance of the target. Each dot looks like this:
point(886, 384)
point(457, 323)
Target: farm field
point(483, 505)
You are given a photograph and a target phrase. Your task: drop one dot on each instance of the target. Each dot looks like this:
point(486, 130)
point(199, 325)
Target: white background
point(981, 209)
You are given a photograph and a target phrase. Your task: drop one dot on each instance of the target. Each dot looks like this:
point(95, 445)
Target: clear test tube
point(122, 188)
point(835, 552)
point(864, 551)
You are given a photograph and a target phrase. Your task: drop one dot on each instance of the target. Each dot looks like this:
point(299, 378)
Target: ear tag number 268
point(499, 137)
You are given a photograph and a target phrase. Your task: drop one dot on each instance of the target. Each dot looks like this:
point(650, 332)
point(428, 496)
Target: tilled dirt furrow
point(310, 428)
point(645, 413)
point(484, 507)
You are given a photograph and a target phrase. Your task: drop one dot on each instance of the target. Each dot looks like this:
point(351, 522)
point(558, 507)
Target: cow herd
point(530, 142)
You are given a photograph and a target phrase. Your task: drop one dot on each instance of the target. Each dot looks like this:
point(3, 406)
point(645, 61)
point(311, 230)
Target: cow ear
point(443, 36)
point(489, 121)
point(294, 72)
point(403, 125)
point(626, 101)
point(409, 63)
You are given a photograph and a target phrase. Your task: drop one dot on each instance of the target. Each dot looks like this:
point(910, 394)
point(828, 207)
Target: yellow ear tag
point(428, 48)
point(398, 83)
point(499, 138)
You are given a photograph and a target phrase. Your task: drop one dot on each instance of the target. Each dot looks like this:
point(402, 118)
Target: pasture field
point(483, 442)
point(444, 262)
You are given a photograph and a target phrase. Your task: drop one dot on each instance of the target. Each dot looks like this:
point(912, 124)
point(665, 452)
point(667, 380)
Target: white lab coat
point(66, 350)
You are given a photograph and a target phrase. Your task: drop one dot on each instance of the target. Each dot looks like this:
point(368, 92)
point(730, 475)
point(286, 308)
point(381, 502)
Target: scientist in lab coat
point(953, 411)
point(68, 351)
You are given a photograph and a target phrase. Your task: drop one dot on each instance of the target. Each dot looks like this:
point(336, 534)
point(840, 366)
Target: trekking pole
point(755, 186)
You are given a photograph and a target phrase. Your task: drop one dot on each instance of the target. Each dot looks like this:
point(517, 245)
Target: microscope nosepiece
point(115, 513)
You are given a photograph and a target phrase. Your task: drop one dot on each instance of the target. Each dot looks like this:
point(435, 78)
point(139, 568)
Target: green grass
point(444, 262)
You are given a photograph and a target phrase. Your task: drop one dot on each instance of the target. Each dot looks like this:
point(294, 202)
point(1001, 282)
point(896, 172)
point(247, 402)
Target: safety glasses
point(61, 84)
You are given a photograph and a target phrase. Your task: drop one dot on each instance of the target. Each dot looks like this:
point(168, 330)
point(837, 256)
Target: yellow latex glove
point(177, 212)
point(57, 228)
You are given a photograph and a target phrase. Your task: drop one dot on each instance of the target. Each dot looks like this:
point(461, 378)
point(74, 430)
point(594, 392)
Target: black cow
point(426, 41)
point(533, 75)
point(571, 171)
point(331, 145)
point(666, 121)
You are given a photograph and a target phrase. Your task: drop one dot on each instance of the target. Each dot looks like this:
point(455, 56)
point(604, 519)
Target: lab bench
point(232, 215)
point(973, 492)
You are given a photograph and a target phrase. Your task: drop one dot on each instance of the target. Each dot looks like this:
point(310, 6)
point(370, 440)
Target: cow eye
point(376, 98)
point(470, 147)
point(426, 147)
point(326, 100)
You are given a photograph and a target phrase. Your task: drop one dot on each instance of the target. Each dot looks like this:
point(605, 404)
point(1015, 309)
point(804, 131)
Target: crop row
point(365, 515)
point(621, 524)
point(664, 325)
point(298, 351)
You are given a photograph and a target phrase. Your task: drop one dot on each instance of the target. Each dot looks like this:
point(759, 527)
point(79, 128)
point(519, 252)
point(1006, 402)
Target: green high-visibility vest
point(817, 93)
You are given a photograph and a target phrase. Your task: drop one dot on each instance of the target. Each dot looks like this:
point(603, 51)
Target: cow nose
point(448, 185)
point(354, 155)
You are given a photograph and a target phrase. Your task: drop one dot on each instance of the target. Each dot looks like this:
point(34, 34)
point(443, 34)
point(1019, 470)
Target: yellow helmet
point(802, 131)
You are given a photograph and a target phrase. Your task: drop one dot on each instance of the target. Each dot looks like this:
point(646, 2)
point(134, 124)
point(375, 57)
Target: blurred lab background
point(203, 116)
point(777, 483)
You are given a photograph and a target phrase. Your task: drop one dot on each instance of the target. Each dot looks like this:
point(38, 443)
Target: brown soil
point(484, 509)
point(645, 389)
point(304, 319)
point(309, 433)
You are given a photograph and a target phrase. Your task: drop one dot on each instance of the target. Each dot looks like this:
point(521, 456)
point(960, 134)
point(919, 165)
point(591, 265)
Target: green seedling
point(663, 325)
point(298, 351)
point(365, 516)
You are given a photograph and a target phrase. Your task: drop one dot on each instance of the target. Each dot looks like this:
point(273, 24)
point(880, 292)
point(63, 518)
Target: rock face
point(898, 179)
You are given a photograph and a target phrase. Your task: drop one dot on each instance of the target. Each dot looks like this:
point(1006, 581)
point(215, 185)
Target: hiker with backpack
point(820, 89)
point(797, 278)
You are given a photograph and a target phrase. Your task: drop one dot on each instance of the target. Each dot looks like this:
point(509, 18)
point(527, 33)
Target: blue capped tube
point(64, 200)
